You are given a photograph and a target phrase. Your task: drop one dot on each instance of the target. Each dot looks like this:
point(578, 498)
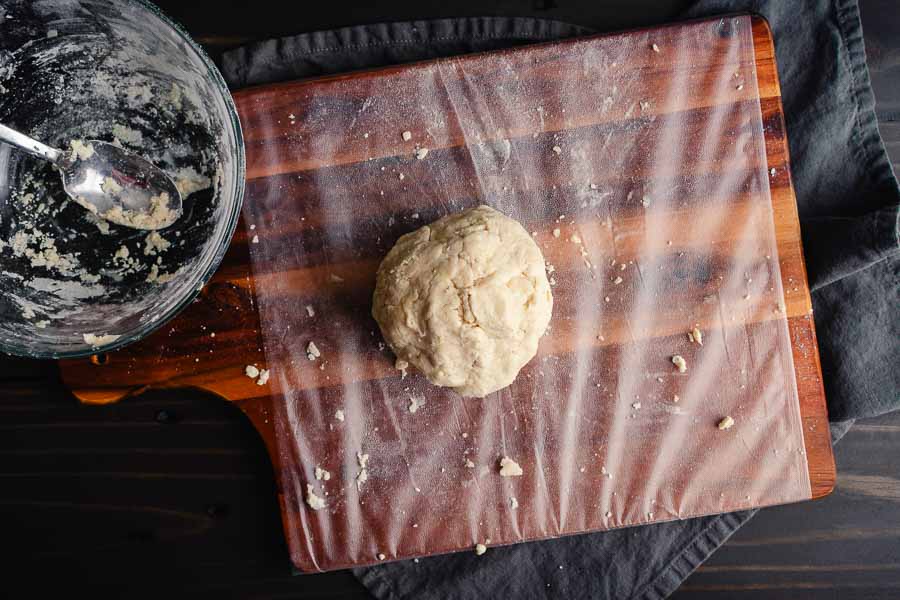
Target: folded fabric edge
point(237, 65)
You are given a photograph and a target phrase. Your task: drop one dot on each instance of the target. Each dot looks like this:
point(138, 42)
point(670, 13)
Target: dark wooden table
point(172, 494)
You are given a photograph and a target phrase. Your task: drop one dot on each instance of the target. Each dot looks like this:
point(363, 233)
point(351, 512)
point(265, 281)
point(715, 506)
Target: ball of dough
point(465, 300)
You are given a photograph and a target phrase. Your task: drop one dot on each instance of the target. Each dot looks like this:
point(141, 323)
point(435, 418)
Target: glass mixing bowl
point(120, 71)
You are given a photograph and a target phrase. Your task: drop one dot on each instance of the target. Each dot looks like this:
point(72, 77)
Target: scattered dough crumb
point(175, 96)
point(363, 475)
point(127, 135)
point(618, 280)
point(401, 365)
point(312, 351)
point(556, 232)
point(99, 340)
point(469, 464)
point(315, 502)
point(726, 423)
point(655, 48)
point(155, 244)
point(679, 362)
point(509, 468)
point(415, 403)
point(251, 371)
point(381, 556)
point(513, 503)
point(406, 135)
point(421, 153)
point(695, 336)
point(157, 215)
point(254, 239)
point(188, 181)
point(158, 277)
point(81, 150)
point(557, 149)
point(480, 549)
point(263, 377)
point(636, 405)
point(111, 186)
point(339, 415)
point(336, 278)
point(310, 310)
point(322, 474)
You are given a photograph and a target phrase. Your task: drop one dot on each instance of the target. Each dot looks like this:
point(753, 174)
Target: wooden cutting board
point(603, 442)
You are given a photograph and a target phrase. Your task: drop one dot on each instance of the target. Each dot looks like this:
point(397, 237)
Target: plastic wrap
point(639, 163)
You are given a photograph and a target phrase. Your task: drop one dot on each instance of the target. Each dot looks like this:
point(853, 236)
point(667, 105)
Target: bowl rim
point(233, 218)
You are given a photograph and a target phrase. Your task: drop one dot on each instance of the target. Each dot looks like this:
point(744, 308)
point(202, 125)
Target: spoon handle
point(33, 147)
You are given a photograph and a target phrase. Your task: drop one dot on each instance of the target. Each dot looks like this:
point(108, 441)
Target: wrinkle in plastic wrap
point(638, 161)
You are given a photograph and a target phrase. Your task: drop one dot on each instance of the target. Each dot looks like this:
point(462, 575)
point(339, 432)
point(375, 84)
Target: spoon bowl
point(120, 186)
point(111, 182)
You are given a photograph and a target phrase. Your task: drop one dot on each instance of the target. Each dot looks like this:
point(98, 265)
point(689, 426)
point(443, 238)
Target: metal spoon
point(116, 185)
